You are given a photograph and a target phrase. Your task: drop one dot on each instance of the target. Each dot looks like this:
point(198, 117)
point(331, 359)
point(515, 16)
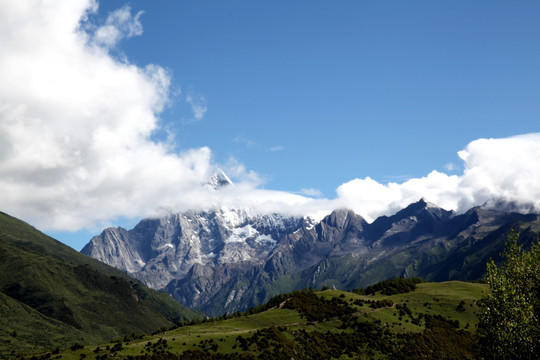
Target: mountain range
point(226, 260)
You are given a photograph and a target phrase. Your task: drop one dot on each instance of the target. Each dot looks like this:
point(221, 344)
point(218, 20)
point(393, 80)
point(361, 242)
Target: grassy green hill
point(436, 320)
point(51, 295)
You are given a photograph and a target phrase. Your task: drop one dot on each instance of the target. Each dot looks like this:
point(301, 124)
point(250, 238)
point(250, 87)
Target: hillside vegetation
point(50, 295)
point(427, 321)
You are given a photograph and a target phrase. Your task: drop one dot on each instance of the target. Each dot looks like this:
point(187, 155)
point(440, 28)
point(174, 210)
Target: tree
point(509, 326)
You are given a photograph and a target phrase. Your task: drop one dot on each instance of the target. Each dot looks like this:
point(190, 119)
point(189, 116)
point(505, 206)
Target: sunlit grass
point(221, 335)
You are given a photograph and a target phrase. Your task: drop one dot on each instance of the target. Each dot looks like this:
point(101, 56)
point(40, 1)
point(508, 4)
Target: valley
point(262, 302)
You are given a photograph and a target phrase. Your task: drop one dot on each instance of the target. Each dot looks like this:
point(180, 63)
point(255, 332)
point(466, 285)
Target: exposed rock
point(224, 260)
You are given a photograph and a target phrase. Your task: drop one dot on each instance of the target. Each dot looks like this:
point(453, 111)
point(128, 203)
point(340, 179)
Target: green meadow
point(318, 324)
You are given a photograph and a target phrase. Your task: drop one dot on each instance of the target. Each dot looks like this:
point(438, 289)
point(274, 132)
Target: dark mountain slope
point(68, 296)
point(456, 248)
point(23, 329)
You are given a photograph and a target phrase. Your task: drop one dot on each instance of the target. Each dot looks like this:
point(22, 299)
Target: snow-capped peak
point(219, 180)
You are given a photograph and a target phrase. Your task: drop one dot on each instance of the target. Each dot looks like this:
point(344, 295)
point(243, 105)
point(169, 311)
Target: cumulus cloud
point(503, 170)
point(372, 199)
point(506, 169)
point(76, 126)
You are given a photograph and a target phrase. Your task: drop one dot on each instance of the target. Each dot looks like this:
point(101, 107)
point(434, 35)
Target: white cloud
point(198, 105)
point(450, 166)
point(76, 124)
point(239, 139)
point(372, 199)
point(239, 172)
point(505, 169)
point(311, 192)
point(276, 148)
point(118, 25)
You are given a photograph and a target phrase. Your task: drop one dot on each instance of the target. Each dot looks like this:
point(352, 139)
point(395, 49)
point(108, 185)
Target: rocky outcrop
point(172, 247)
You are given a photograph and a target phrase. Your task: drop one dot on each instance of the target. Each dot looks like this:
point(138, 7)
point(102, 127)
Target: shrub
point(509, 317)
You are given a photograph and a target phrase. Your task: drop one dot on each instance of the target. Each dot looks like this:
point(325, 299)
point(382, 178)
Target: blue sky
point(310, 94)
point(363, 104)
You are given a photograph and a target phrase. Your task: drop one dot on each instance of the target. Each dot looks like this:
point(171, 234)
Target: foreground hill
point(51, 295)
point(435, 321)
point(225, 260)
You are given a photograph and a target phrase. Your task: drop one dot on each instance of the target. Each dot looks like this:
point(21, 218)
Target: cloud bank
point(503, 171)
point(76, 126)
point(75, 123)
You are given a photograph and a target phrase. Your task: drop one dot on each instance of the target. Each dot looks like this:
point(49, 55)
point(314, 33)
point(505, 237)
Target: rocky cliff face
point(175, 246)
point(226, 260)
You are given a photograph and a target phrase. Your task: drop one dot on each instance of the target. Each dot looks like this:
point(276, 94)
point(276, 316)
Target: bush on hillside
point(391, 286)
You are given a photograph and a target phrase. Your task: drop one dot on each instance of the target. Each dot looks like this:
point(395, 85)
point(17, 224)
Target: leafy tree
point(509, 326)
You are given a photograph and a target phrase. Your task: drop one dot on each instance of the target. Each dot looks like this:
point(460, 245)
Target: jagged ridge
point(224, 260)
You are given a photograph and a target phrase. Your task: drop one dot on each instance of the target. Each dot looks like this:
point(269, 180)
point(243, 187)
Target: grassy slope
point(429, 298)
point(16, 336)
point(52, 295)
point(434, 299)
